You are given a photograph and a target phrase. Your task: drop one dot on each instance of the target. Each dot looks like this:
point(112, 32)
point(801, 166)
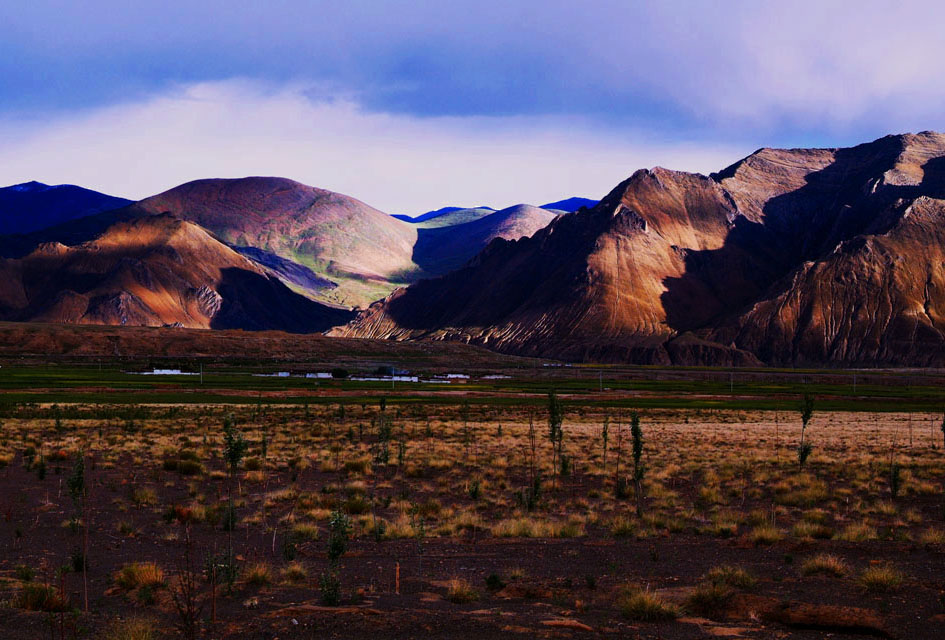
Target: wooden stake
point(397, 578)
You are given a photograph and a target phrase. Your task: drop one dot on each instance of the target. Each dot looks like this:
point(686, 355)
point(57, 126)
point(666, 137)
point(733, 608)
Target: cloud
point(805, 71)
point(396, 162)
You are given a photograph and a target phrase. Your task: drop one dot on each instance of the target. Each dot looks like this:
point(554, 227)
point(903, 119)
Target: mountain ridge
point(667, 267)
point(31, 206)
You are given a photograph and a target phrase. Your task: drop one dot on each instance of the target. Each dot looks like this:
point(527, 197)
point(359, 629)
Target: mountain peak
point(26, 187)
point(735, 268)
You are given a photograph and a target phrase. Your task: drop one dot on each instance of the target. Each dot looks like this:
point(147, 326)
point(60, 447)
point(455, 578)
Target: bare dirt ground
point(734, 537)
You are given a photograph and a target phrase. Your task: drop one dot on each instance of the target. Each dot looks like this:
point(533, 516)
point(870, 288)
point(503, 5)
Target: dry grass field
point(446, 520)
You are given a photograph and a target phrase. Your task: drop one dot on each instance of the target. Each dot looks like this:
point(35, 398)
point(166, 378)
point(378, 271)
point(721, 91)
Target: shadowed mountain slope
point(154, 271)
point(788, 256)
point(442, 249)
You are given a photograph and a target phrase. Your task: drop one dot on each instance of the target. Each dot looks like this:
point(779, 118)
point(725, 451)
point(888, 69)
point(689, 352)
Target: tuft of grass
point(360, 466)
point(708, 598)
point(643, 605)
point(255, 477)
point(731, 576)
point(825, 564)
point(139, 574)
point(295, 572)
point(812, 530)
point(258, 575)
point(933, 536)
point(305, 531)
point(858, 532)
point(765, 534)
point(144, 497)
point(460, 591)
point(622, 527)
point(534, 528)
point(880, 578)
point(133, 629)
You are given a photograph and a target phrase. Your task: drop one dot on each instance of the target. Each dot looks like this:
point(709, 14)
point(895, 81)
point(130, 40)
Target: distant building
point(385, 379)
point(166, 372)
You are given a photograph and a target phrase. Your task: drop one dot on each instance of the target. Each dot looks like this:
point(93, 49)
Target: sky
point(411, 106)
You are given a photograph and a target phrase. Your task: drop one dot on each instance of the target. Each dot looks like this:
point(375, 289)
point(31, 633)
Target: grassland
point(460, 516)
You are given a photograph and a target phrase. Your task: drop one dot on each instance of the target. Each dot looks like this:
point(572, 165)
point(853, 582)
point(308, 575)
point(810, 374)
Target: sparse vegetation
point(825, 564)
point(880, 578)
point(311, 486)
point(460, 591)
point(636, 603)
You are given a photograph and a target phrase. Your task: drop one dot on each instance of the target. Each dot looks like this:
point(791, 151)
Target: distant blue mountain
point(429, 215)
point(32, 206)
point(471, 213)
point(570, 204)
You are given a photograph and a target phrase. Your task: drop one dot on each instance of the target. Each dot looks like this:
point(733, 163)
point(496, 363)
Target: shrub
point(189, 467)
point(253, 464)
point(339, 529)
point(880, 578)
point(24, 573)
point(459, 591)
point(494, 582)
point(825, 564)
point(139, 574)
point(639, 604)
point(34, 596)
point(329, 585)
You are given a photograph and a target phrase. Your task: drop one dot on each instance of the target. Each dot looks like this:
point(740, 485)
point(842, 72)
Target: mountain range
point(787, 257)
point(790, 257)
point(327, 246)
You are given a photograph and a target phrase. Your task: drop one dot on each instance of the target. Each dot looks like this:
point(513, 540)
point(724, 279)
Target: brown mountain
point(154, 271)
point(355, 254)
point(788, 256)
point(365, 252)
